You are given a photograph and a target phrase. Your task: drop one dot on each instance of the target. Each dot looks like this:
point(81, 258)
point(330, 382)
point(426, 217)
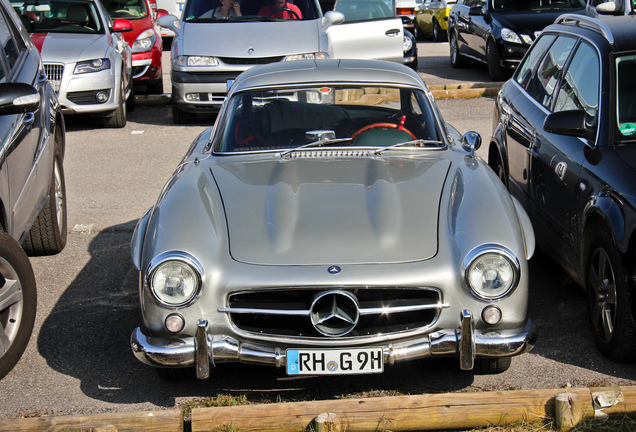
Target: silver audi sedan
point(330, 222)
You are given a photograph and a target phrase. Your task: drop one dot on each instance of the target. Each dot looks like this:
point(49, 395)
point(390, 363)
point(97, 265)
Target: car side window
point(362, 10)
point(580, 87)
point(542, 84)
point(524, 73)
point(12, 44)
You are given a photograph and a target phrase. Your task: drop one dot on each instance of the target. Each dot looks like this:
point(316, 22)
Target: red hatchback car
point(145, 41)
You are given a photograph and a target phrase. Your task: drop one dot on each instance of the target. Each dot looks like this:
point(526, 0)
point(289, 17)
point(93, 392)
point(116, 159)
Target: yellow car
point(431, 19)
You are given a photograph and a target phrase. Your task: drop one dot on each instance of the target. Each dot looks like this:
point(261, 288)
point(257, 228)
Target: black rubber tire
point(176, 374)
point(492, 366)
point(117, 119)
point(47, 235)
point(496, 164)
point(130, 102)
point(439, 35)
point(155, 88)
point(182, 117)
point(495, 70)
point(456, 59)
point(608, 306)
point(18, 294)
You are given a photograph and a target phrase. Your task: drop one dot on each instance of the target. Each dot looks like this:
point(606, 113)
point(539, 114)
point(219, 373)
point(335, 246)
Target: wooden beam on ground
point(409, 413)
point(156, 421)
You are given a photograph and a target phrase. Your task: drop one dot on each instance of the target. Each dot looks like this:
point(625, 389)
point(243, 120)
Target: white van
point(208, 53)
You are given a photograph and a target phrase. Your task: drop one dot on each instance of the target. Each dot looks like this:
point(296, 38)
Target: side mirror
point(471, 141)
point(607, 8)
point(332, 18)
point(121, 25)
point(18, 98)
point(167, 21)
point(570, 123)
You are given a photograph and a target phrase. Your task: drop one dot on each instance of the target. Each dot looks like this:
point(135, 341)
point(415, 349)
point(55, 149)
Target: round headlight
point(492, 273)
point(174, 282)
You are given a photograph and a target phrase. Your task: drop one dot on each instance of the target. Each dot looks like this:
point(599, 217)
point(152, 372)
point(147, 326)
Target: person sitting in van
point(227, 9)
point(290, 10)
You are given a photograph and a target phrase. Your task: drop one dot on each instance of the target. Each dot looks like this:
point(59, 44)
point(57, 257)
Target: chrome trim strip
point(181, 352)
point(363, 311)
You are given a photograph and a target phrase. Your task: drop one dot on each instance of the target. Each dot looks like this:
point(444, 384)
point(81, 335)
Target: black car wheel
point(457, 60)
point(496, 163)
point(182, 117)
point(117, 119)
point(608, 303)
point(439, 35)
point(177, 374)
point(492, 366)
point(47, 235)
point(495, 70)
point(18, 302)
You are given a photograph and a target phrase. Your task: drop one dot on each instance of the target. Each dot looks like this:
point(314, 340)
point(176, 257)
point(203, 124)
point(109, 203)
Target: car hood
point(69, 48)
point(293, 212)
point(530, 22)
point(250, 39)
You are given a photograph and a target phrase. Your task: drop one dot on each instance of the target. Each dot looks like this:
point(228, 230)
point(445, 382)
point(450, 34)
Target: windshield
point(626, 95)
point(250, 10)
point(64, 16)
point(130, 10)
point(536, 5)
point(342, 115)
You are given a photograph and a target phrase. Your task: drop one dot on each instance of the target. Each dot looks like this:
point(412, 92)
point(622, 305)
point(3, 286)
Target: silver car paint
point(469, 206)
point(69, 48)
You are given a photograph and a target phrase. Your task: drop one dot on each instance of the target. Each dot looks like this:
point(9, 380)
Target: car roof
point(328, 71)
point(619, 31)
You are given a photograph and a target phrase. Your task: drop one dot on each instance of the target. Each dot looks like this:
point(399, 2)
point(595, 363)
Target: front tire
point(439, 35)
point(182, 117)
point(18, 302)
point(496, 164)
point(608, 304)
point(176, 374)
point(117, 119)
point(456, 59)
point(487, 366)
point(495, 70)
point(47, 235)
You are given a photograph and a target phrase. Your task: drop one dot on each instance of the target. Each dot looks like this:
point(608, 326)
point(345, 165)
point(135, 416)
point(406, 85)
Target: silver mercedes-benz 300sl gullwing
point(330, 222)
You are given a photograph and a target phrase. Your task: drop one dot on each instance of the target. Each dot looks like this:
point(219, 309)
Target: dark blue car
point(564, 142)
point(499, 32)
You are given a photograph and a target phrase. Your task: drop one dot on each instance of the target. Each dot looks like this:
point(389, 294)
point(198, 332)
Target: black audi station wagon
point(564, 142)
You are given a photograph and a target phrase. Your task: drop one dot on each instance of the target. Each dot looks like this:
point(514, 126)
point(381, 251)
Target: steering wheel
point(381, 125)
point(283, 9)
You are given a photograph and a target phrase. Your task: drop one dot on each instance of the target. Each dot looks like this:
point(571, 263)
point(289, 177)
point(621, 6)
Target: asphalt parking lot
point(79, 360)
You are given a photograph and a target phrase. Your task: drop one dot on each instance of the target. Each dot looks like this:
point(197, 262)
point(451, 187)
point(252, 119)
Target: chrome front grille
point(293, 312)
point(54, 71)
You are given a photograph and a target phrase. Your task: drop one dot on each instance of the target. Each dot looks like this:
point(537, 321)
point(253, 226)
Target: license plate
point(335, 361)
point(229, 83)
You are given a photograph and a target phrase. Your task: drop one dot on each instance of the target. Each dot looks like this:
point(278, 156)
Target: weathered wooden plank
point(404, 413)
point(156, 421)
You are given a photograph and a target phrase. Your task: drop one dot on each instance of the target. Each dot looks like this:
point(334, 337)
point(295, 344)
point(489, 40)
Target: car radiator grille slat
point(250, 60)
point(286, 312)
point(54, 71)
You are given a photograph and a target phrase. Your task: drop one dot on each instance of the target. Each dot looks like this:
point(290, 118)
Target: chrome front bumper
point(204, 350)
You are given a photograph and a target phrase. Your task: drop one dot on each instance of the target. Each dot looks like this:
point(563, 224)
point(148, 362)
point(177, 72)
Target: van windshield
point(250, 10)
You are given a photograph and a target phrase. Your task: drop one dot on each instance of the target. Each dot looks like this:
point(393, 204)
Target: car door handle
point(392, 32)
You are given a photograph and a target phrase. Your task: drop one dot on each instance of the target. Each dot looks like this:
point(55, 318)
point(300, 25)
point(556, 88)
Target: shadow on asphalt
point(86, 336)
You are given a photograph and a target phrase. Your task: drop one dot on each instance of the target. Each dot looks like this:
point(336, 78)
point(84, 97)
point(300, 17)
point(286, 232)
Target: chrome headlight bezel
point(491, 256)
point(189, 266)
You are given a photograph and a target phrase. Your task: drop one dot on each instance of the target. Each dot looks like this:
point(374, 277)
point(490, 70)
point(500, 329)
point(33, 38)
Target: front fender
point(137, 241)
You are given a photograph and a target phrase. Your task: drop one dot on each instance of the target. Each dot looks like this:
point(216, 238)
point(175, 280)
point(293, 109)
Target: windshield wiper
point(320, 143)
point(417, 143)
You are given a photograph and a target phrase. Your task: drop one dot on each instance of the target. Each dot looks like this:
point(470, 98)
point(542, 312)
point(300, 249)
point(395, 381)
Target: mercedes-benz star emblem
point(334, 313)
point(334, 269)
